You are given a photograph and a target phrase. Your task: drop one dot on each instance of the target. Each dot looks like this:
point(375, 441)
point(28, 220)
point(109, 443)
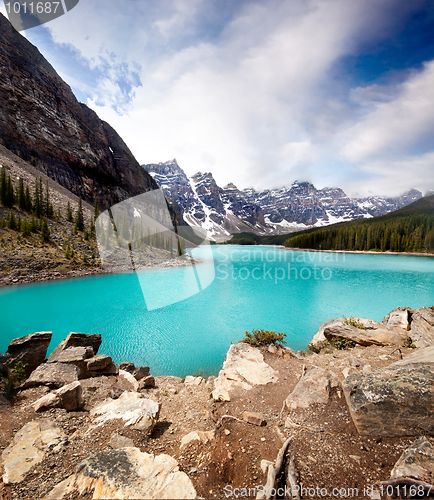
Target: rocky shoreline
point(343, 421)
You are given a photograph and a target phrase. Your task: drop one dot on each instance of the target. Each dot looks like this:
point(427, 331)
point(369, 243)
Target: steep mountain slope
point(228, 210)
point(42, 122)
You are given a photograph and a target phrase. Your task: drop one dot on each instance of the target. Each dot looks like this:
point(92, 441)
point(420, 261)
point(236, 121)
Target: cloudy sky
point(260, 93)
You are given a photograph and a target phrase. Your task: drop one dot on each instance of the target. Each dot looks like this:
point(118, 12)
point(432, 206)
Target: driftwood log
point(274, 470)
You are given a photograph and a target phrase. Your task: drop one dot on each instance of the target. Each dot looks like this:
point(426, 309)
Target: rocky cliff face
point(42, 122)
point(228, 210)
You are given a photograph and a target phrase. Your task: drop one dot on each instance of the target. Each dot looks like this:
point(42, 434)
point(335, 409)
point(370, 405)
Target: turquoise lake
point(253, 287)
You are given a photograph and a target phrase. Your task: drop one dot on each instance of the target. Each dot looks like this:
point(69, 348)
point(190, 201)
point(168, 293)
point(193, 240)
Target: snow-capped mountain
point(224, 211)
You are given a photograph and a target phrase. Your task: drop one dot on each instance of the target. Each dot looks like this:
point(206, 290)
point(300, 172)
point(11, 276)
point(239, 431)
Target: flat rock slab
point(417, 461)
point(136, 411)
point(30, 350)
point(313, 387)
point(80, 340)
point(71, 355)
point(53, 374)
point(126, 473)
point(28, 448)
point(243, 368)
point(365, 332)
point(394, 401)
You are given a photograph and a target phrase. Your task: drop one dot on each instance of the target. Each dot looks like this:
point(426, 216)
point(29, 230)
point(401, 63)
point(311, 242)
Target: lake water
point(254, 287)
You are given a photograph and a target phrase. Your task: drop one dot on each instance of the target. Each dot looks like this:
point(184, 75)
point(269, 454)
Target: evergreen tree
point(12, 222)
point(21, 194)
point(28, 200)
point(33, 225)
point(79, 218)
point(44, 232)
point(3, 186)
point(25, 228)
point(95, 210)
point(69, 213)
point(37, 199)
point(10, 196)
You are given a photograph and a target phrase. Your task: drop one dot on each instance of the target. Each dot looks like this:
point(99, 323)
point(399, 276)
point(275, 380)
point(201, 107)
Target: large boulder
point(400, 317)
point(125, 473)
point(319, 336)
point(53, 375)
point(417, 461)
point(397, 400)
point(28, 448)
point(30, 350)
point(136, 412)
point(365, 332)
point(243, 368)
point(69, 397)
point(313, 387)
point(80, 340)
point(76, 356)
point(100, 364)
point(422, 327)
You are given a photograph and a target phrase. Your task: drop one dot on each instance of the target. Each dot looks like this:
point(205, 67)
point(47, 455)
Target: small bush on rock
point(262, 338)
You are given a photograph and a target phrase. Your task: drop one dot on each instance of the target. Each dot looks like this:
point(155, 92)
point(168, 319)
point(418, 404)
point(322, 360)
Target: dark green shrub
point(341, 343)
point(353, 322)
point(262, 338)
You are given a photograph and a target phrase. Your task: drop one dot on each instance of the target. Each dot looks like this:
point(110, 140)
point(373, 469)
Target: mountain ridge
point(42, 122)
point(229, 210)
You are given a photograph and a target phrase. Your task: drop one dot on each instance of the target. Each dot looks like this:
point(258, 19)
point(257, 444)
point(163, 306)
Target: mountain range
point(229, 210)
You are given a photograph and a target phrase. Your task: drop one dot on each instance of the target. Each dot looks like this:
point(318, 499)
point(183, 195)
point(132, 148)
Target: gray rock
point(28, 448)
point(126, 473)
point(422, 327)
point(243, 368)
point(75, 356)
point(254, 418)
point(146, 382)
point(51, 400)
point(133, 408)
point(71, 396)
point(400, 317)
point(313, 387)
point(117, 441)
point(197, 437)
point(80, 340)
point(99, 362)
point(396, 400)
point(53, 375)
point(30, 349)
point(127, 381)
point(141, 372)
point(417, 461)
point(100, 365)
point(127, 367)
point(190, 380)
point(369, 333)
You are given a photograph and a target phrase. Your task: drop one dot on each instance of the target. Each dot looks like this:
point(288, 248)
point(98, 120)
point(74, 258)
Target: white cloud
point(394, 127)
point(253, 97)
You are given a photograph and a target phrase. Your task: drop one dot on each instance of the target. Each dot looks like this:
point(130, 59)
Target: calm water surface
point(254, 287)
